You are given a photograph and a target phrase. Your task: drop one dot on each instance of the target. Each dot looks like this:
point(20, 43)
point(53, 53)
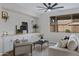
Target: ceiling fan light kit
point(49, 10)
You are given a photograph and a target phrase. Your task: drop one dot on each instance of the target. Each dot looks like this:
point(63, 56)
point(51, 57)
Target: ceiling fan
point(49, 7)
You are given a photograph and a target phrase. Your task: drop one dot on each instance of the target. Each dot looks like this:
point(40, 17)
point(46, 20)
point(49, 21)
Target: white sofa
point(56, 51)
point(6, 42)
point(71, 45)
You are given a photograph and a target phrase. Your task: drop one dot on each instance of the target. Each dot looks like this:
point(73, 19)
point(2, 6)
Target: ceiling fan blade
point(49, 3)
point(58, 7)
point(41, 7)
point(45, 5)
point(54, 5)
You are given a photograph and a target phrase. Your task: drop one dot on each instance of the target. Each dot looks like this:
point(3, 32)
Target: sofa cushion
point(56, 51)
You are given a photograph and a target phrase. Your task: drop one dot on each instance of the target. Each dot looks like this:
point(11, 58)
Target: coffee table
point(41, 42)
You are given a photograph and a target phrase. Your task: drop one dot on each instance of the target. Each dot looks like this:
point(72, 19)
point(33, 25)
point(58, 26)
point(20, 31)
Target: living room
point(26, 22)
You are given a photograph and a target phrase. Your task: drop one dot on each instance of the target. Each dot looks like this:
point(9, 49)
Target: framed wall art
point(4, 15)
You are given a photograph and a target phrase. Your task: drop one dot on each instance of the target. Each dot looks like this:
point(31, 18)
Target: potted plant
point(35, 27)
point(67, 31)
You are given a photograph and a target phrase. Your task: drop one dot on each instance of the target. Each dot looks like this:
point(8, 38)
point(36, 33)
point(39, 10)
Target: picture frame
point(4, 15)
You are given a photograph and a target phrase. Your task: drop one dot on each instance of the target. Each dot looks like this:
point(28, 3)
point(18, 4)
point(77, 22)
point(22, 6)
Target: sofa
point(56, 51)
point(65, 47)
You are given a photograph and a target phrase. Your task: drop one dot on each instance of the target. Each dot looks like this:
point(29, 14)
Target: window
point(64, 23)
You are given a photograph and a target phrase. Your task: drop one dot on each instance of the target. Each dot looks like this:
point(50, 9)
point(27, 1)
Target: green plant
point(67, 30)
point(35, 26)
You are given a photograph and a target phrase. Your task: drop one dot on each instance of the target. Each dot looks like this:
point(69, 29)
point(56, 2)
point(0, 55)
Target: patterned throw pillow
point(72, 45)
point(63, 43)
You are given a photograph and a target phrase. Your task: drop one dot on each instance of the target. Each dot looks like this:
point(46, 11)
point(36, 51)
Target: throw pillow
point(63, 43)
point(72, 44)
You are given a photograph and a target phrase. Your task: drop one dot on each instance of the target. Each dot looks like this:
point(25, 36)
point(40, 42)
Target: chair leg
point(48, 43)
point(34, 46)
point(31, 50)
point(41, 47)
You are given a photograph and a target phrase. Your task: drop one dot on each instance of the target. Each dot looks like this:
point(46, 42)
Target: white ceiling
point(32, 7)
